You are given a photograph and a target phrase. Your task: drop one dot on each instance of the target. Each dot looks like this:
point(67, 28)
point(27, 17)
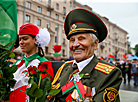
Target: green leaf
point(12, 69)
point(45, 84)
point(54, 92)
point(12, 83)
point(4, 54)
point(38, 93)
point(81, 75)
point(12, 54)
point(32, 89)
point(43, 98)
point(31, 81)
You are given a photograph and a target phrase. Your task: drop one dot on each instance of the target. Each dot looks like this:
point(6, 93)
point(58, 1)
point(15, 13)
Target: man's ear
point(95, 44)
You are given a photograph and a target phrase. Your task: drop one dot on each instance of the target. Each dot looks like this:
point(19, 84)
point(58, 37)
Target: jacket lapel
point(87, 71)
point(65, 75)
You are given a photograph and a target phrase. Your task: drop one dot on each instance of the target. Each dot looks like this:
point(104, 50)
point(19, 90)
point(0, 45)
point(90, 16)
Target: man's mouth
point(78, 50)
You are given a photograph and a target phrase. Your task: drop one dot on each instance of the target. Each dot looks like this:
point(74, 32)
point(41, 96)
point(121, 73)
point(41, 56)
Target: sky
point(123, 13)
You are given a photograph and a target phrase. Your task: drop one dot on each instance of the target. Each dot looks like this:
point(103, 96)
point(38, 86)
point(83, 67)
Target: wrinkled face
point(82, 46)
point(27, 44)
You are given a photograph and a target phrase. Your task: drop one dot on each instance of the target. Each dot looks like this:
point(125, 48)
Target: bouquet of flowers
point(6, 72)
point(40, 82)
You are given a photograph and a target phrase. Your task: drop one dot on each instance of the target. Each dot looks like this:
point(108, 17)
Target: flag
point(135, 57)
point(124, 56)
point(111, 56)
point(8, 22)
point(130, 57)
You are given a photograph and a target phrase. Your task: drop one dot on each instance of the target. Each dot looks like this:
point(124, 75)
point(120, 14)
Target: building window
point(63, 30)
point(38, 22)
point(63, 40)
point(46, 50)
point(39, 9)
point(49, 2)
point(64, 10)
point(28, 5)
point(101, 50)
point(48, 13)
point(109, 49)
point(48, 25)
point(57, 6)
point(56, 27)
point(63, 52)
point(27, 18)
point(64, 1)
point(57, 16)
point(70, 4)
point(105, 52)
point(63, 19)
point(74, 7)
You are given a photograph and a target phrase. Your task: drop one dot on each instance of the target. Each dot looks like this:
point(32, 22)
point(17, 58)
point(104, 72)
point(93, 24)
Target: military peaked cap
point(84, 21)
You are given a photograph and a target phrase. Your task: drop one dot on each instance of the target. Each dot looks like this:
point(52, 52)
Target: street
point(128, 92)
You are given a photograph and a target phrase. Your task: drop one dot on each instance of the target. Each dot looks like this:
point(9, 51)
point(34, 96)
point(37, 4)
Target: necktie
point(75, 70)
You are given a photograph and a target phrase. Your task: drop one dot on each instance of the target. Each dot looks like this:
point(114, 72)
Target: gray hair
point(93, 36)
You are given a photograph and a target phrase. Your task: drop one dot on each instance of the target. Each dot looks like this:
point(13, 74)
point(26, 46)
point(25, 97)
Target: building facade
point(51, 14)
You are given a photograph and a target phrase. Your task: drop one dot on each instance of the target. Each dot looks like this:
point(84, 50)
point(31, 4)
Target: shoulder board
point(104, 68)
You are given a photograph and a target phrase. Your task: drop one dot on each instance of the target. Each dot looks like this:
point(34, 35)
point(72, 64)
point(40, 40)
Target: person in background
point(117, 64)
point(135, 71)
point(31, 41)
point(127, 70)
point(86, 78)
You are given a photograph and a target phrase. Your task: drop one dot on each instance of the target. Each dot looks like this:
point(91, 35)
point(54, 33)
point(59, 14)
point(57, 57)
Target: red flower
point(32, 70)
point(43, 65)
point(57, 48)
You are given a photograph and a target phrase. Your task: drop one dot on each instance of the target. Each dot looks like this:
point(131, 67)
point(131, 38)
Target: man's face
point(82, 46)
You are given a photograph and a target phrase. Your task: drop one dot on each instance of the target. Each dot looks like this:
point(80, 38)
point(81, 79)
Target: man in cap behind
point(94, 79)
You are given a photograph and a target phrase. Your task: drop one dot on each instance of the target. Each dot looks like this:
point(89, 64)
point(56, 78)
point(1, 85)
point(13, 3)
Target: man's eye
point(81, 38)
point(71, 40)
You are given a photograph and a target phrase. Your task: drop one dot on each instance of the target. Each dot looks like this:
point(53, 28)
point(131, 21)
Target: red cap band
point(28, 29)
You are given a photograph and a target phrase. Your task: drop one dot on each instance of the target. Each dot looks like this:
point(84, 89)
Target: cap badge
point(74, 26)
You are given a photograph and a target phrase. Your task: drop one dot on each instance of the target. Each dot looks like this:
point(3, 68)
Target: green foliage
point(40, 88)
point(136, 49)
point(6, 72)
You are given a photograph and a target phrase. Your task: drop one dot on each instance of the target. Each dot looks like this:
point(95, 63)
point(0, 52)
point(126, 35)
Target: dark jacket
point(94, 76)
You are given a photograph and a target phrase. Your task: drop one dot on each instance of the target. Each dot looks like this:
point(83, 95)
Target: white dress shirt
point(82, 64)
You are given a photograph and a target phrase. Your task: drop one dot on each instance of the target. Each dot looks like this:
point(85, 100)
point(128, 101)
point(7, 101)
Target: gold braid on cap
point(81, 29)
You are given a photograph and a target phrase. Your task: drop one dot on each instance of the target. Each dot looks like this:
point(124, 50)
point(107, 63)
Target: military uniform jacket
point(106, 84)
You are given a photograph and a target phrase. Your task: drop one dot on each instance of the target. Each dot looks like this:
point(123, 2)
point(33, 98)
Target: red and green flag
point(124, 56)
point(111, 57)
point(8, 22)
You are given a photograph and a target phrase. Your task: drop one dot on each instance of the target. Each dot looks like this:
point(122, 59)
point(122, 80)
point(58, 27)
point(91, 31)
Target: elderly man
point(94, 80)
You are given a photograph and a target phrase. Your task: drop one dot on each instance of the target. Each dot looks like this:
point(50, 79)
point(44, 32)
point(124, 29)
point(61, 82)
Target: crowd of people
point(129, 68)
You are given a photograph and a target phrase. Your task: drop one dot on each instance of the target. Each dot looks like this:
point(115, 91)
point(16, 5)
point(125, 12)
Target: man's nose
point(76, 43)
